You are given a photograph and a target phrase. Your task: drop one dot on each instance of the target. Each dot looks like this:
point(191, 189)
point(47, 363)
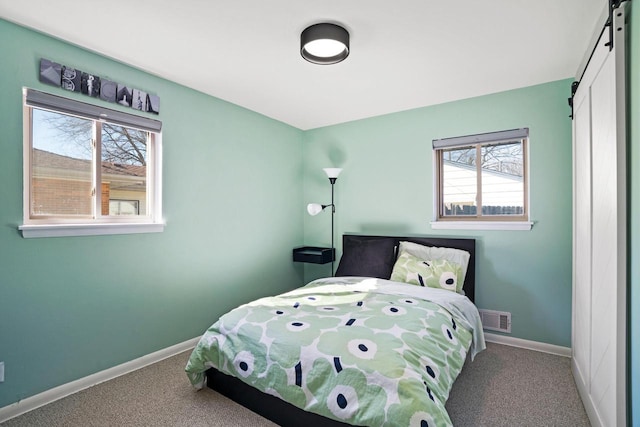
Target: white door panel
point(582, 234)
point(598, 335)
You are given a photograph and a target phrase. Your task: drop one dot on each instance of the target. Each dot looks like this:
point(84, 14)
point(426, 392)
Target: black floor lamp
point(316, 208)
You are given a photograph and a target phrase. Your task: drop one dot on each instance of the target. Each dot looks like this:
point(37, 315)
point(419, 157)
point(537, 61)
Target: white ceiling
point(404, 54)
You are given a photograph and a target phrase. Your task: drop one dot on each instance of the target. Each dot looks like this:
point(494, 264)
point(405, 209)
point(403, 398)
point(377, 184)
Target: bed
point(379, 344)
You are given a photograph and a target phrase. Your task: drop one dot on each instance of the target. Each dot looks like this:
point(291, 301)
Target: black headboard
point(387, 243)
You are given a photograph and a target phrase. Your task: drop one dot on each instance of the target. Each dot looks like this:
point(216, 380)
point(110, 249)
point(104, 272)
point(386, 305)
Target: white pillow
point(426, 253)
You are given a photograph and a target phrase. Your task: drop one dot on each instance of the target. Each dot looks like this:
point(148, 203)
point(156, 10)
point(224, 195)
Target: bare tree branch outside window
point(504, 158)
point(120, 145)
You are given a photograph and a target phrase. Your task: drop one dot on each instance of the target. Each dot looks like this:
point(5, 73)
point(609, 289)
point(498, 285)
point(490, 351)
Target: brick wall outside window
point(65, 197)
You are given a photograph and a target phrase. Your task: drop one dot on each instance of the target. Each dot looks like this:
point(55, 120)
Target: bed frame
point(285, 414)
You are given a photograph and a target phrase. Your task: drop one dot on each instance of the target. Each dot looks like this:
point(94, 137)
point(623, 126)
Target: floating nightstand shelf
point(314, 254)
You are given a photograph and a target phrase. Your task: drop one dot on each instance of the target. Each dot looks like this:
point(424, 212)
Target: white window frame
point(59, 226)
point(479, 222)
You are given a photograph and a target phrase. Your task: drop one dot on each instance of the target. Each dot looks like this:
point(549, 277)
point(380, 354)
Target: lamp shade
point(324, 44)
point(332, 172)
point(314, 208)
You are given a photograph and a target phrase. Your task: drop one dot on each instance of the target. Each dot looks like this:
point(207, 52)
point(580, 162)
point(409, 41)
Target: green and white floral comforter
point(359, 350)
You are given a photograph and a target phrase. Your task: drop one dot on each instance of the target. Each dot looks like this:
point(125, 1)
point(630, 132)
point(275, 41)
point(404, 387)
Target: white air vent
point(496, 320)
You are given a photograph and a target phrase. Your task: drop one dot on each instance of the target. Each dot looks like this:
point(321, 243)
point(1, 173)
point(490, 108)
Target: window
point(481, 181)
point(89, 170)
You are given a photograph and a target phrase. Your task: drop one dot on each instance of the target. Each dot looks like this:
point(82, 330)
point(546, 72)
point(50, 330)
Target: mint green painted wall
point(70, 307)
point(634, 222)
point(386, 187)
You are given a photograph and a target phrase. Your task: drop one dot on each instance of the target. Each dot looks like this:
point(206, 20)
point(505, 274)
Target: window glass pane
point(459, 181)
point(61, 165)
point(124, 207)
point(124, 170)
point(502, 179)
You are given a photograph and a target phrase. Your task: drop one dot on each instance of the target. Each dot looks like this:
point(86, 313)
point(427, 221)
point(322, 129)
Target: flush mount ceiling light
point(324, 44)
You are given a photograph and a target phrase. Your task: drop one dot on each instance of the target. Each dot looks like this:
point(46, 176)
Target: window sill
point(482, 225)
point(68, 230)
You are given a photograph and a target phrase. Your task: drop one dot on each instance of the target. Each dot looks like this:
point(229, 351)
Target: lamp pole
point(333, 211)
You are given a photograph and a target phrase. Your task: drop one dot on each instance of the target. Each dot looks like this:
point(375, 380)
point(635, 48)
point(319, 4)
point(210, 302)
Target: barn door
point(599, 261)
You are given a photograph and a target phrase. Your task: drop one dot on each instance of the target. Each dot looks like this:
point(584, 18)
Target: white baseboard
point(49, 396)
point(529, 345)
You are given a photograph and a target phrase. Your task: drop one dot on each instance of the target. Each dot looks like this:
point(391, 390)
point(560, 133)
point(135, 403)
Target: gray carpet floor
point(508, 386)
point(503, 386)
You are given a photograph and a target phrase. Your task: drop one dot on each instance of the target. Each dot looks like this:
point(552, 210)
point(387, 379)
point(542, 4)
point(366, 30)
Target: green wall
point(386, 187)
point(70, 307)
point(634, 204)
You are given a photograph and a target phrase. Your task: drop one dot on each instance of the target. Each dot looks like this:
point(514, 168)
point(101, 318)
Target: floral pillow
point(456, 256)
point(438, 273)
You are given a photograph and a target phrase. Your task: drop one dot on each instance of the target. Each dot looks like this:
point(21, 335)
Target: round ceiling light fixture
point(324, 44)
